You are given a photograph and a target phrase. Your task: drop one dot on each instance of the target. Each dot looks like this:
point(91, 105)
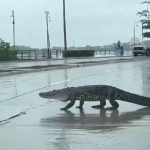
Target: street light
point(48, 39)
point(64, 22)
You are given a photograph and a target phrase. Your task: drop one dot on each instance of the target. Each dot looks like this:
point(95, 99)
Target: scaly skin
point(95, 93)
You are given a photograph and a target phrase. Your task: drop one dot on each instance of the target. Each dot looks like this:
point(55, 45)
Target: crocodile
point(99, 93)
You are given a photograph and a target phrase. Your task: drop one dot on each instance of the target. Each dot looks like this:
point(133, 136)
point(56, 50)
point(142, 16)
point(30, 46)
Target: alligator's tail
point(133, 98)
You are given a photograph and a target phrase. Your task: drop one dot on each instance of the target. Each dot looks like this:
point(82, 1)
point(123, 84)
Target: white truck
point(142, 50)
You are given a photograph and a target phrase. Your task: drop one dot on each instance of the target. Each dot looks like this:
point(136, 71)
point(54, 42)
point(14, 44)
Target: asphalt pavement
point(29, 122)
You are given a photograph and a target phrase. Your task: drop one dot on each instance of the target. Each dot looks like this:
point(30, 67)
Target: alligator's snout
point(45, 94)
point(40, 94)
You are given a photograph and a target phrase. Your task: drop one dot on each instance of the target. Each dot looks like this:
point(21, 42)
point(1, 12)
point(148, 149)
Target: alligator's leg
point(102, 104)
point(81, 104)
point(112, 96)
point(71, 103)
point(68, 105)
point(114, 104)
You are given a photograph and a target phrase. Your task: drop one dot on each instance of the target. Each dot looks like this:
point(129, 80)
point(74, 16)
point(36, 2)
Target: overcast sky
point(89, 22)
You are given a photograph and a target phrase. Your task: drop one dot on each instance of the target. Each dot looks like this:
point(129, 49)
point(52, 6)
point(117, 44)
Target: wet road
point(5, 65)
point(29, 122)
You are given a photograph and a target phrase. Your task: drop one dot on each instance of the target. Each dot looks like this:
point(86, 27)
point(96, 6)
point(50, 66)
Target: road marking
point(8, 99)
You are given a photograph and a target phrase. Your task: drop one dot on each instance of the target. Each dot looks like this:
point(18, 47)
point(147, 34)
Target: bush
point(78, 53)
point(5, 51)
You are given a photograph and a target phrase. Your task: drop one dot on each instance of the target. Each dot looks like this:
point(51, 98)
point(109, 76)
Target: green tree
point(6, 53)
point(145, 20)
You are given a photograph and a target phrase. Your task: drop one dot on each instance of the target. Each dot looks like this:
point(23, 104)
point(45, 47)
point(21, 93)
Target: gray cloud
point(89, 22)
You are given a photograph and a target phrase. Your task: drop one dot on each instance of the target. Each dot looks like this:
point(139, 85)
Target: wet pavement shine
point(29, 122)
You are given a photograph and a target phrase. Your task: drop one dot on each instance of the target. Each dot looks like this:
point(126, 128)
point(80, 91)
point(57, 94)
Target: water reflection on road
point(103, 122)
point(107, 130)
point(44, 126)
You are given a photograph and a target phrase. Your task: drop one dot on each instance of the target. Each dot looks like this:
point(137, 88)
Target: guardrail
point(37, 54)
point(57, 53)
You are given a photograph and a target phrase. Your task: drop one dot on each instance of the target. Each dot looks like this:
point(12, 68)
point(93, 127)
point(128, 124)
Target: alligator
point(99, 93)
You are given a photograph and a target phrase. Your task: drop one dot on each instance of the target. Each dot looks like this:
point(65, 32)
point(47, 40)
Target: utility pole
point(64, 23)
point(48, 39)
point(142, 33)
point(134, 34)
point(13, 22)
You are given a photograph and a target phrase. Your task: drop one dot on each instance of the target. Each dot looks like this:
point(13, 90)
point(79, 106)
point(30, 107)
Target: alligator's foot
point(97, 106)
point(79, 107)
point(63, 109)
point(111, 108)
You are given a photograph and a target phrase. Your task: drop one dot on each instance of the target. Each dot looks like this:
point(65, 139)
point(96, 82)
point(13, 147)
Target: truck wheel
point(148, 52)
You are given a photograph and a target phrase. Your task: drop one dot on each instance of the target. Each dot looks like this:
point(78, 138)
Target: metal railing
point(37, 54)
point(57, 53)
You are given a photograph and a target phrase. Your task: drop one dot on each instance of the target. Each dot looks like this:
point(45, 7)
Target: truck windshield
point(138, 48)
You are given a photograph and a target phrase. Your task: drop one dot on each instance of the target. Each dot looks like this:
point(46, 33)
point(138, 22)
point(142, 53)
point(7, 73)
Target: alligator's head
point(61, 94)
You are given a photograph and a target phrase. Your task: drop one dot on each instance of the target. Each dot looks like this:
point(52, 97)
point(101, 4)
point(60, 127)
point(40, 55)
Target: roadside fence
point(57, 53)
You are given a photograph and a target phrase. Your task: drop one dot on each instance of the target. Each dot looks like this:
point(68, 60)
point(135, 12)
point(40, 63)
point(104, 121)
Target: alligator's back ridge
point(121, 94)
